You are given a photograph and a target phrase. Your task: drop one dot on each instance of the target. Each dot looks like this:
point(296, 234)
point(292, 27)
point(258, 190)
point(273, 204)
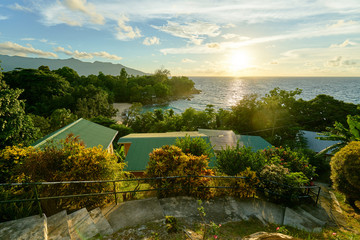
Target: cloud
point(28, 39)
point(19, 7)
point(85, 55)
point(86, 8)
point(151, 41)
point(335, 62)
point(341, 23)
point(194, 31)
point(126, 32)
point(310, 32)
point(350, 62)
point(14, 49)
point(344, 44)
point(106, 55)
point(3, 17)
point(187, 60)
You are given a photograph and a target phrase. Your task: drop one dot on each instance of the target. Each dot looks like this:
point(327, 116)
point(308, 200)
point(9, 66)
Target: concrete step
point(81, 225)
point(101, 222)
point(58, 228)
point(34, 227)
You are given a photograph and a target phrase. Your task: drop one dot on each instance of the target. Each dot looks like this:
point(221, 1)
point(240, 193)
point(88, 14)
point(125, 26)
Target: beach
point(122, 107)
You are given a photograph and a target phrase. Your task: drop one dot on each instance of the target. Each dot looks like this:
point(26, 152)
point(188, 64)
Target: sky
point(190, 37)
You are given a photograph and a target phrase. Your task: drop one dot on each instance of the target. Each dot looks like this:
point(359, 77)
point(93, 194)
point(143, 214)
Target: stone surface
point(133, 213)
point(58, 228)
point(81, 226)
point(100, 222)
point(180, 207)
point(294, 219)
point(264, 211)
point(267, 236)
point(34, 227)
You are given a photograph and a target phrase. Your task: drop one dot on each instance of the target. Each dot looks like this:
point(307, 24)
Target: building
point(314, 144)
point(138, 146)
point(221, 139)
point(92, 134)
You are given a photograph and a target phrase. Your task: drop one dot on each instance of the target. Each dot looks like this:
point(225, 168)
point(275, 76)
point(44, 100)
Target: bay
point(224, 92)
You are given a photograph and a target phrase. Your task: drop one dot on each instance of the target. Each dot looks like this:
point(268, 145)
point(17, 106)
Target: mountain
point(9, 63)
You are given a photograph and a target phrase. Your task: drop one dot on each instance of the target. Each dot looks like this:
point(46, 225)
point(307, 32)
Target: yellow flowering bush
point(68, 160)
point(171, 161)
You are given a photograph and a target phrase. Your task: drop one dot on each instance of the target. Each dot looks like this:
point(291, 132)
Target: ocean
point(224, 92)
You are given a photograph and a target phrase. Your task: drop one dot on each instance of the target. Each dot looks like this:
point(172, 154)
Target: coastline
point(121, 107)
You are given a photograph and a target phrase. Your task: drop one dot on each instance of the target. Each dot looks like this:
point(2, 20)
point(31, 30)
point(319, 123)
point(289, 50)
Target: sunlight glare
point(238, 61)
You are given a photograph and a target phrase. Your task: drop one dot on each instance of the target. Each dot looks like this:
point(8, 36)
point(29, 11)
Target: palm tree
point(342, 134)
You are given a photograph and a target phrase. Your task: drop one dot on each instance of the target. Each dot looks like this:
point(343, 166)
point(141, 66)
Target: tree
point(15, 126)
point(345, 168)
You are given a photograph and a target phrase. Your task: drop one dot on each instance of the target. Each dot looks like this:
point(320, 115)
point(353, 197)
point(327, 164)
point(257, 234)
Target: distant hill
point(9, 63)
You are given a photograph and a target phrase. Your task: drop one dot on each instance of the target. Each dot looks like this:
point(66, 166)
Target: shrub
point(281, 185)
point(69, 160)
point(294, 161)
point(171, 161)
point(232, 161)
point(196, 146)
point(240, 187)
point(345, 168)
point(11, 157)
point(320, 162)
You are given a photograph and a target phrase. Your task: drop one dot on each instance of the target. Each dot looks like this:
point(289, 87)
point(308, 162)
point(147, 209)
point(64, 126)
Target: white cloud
point(344, 44)
point(85, 55)
point(14, 49)
point(187, 60)
point(151, 41)
point(126, 32)
point(106, 55)
point(86, 8)
point(28, 39)
point(194, 31)
point(3, 17)
point(316, 31)
point(19, 7)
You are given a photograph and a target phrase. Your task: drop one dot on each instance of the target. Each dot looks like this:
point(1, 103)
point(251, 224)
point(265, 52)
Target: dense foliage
point(345, 168)
point(281, 185)
point(91, 96)
point(171, 161)
point(196, 146)
point(15, 125)
point(69, 160)
point(232, 161)
point(277, 117)
point(341, 134)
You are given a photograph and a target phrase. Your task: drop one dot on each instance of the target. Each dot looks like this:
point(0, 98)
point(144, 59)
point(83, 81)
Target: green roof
point(255, 142)
point(142, 144)
point(90, 133)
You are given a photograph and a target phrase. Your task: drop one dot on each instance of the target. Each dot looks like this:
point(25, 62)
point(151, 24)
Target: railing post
point(37, 200)
point(317, 197)
point(115, 192)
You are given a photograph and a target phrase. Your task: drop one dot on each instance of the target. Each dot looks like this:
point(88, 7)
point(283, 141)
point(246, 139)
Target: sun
point(238, 61)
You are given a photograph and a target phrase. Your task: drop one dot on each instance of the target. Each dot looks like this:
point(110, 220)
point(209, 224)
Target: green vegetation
point(171, 161)
point(71, 161)
point(35, 102)
point(342, 134)
point(277, 117)
point(345, 168)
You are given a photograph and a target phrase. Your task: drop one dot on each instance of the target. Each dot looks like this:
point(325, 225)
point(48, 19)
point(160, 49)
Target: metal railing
point(312, 192)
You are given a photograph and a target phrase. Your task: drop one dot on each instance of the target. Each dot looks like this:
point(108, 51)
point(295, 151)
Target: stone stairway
point(61, 226)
